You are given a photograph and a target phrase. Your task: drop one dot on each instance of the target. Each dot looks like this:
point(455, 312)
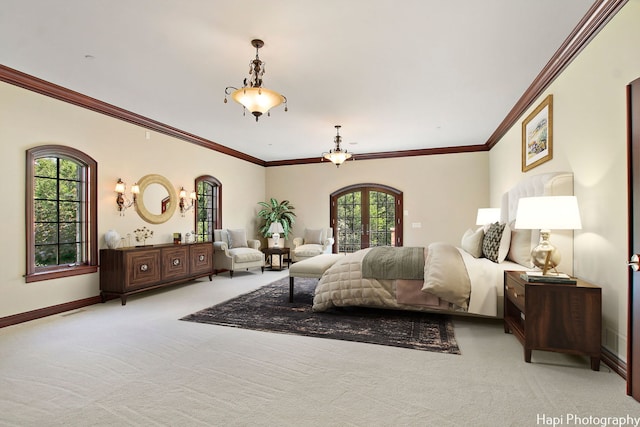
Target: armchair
point(233, 251)
point(315, 242)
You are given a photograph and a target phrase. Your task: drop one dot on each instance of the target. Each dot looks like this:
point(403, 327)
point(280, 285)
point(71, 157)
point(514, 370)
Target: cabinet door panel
point(202, 258)
point(175, 263)
point(144, 268)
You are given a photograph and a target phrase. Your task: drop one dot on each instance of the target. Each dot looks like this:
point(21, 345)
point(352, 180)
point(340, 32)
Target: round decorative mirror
point(157, 200)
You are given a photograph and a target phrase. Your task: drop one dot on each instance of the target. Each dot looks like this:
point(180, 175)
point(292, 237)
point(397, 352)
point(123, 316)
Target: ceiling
point(397, 75)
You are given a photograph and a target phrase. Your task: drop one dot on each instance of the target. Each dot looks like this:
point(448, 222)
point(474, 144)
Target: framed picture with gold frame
point(537, 135)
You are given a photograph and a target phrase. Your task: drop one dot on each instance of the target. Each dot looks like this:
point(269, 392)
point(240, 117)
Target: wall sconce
point(183, 204)
point(122, 200)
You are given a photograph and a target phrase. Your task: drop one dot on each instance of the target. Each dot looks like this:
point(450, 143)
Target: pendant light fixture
point(337, 155)
point(253, 97)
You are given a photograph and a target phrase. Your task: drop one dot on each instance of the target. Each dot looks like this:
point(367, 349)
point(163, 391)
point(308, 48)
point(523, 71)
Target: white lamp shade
point(276, 227)
point(257, 99)
point(487, 216)
point(548, 213)
point(120, 187)
point(338, 157)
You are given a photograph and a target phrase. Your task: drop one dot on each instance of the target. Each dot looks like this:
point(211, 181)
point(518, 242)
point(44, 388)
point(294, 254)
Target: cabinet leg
point(123, 299)
point(527, 355)
point(210, 277)
point(595, 363)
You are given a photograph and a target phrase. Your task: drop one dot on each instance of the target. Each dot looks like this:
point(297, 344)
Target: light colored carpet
point(138, 365)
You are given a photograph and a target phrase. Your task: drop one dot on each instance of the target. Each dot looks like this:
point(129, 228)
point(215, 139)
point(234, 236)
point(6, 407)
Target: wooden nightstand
point(554, 317)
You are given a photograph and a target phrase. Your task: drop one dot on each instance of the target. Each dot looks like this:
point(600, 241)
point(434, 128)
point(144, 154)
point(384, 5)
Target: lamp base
point(276, 239)
point(545, 256)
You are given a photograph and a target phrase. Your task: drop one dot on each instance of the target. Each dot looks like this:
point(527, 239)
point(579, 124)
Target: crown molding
point(382, 155)
point(43, 87)
point(596, 18)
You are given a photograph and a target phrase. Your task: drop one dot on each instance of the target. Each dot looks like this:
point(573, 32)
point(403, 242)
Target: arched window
point(208, 207)
point(366, 215)
point(61, 213)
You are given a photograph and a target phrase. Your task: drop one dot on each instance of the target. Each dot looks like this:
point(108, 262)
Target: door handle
point(634, 262)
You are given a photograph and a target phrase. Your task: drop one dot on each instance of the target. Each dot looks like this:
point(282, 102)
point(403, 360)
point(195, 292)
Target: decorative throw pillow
point(505, 243)
point(495, 244)
point(312, 236)
point(520, 247)
point(472, 242)
point(237, 239)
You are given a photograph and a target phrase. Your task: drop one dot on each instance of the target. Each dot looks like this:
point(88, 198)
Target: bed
point(463, 279)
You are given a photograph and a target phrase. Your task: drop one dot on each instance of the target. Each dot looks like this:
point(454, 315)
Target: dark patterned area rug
point(268, 309)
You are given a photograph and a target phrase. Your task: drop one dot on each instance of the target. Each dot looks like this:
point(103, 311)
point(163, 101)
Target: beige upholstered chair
point(233, 251)
point(315, 242)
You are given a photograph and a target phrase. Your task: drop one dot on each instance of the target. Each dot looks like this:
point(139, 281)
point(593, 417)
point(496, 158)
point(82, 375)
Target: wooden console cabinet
point(554, 317)
point(127, 271)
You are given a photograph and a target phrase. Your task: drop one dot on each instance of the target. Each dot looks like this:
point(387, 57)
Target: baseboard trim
point(616, 364)
point(47, 311)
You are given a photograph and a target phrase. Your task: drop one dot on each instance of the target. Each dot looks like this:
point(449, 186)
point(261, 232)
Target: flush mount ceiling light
point(337, 155)
point(253, 97)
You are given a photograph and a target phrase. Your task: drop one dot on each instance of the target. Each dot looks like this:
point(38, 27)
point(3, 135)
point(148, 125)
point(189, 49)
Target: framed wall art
point(537, 135)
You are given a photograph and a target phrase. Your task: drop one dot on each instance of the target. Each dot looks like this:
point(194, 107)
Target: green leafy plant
point(274, 211)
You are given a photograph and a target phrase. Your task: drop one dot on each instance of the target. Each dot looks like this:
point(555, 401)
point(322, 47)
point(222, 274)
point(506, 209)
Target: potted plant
point(280, 212)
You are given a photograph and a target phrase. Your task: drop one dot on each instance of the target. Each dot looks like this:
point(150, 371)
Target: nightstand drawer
point(515, 292)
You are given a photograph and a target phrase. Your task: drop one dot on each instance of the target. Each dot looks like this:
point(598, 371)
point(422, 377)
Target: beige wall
point(442, 192)
point(122, 151)
point(589, 136)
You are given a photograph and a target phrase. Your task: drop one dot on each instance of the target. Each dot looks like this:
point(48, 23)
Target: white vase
point(112, 238)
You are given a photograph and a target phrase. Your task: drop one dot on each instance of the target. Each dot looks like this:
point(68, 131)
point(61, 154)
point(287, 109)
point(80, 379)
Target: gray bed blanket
point(389, 262)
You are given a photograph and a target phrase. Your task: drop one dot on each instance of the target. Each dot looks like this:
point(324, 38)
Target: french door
point(366, 215)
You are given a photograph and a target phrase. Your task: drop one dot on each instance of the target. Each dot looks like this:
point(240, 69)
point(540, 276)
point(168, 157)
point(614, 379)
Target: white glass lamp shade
point(337, 157)
point(487, 216)
point(545, 214)
point(120, 186)
point(257, 100)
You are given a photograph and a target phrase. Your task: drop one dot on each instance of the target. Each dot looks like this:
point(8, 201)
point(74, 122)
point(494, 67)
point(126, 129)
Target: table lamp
point(546, 214)
point(487, 216)
point(275, 229)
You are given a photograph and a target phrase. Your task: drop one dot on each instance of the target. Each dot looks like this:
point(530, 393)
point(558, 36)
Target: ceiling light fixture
point(337, 155)
point(253, 97)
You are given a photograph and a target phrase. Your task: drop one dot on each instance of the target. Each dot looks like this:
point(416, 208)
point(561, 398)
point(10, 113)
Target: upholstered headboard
point(547, 184)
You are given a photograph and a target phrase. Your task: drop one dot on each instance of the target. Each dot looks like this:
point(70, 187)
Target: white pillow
point(237, 239)
point(472, 242)
point(313, 236)
point(520, 247)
